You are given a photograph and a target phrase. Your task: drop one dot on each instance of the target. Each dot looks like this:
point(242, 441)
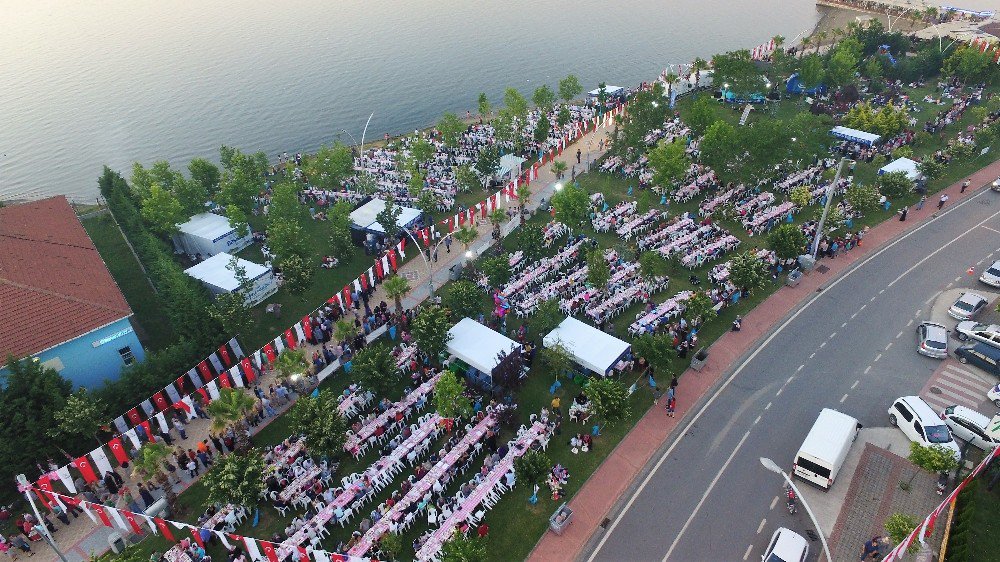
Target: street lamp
point(558, 186)
point(24, 486)
point(773, 467)
point(427, 261)
point(826, 207)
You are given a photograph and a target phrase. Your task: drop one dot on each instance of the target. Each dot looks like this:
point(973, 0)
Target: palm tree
point(230, 407)
point(558, 168)
point(497, 216)
point(523, 193)
point(700, 64)
point(466, 236)
point(396, 287)
point(806, 41)
point(670, 78)
point(148, 464)
point(822, 37)
point(344, 330)
point(291, 362)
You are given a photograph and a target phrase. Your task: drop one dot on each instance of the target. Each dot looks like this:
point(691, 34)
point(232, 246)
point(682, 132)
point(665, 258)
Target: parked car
point(969, 330)
point(992, 275)
point(994, 395)
point(970, 426)
point(967, 306)
point(786, 546)
point(996, 185)
point(932, 340)
point(919, 422)
point(981, 355)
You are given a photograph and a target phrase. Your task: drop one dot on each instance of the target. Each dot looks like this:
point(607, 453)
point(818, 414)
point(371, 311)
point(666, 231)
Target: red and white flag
point(164, 529)
point(118, 450)
point(83, 465)
point(401, 246)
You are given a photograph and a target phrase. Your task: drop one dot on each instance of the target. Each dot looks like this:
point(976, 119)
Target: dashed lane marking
point(756, 420)
point(843, 399)
point(910, 323)
point(761, 526)
point(868, 368)
point(822, 345)
point(919, 310)
point(949, 285)
point(856, 383)
point(774, 502)
point(853, 316)
point(833, 335)
point(776, 394)
point(844, 325)
point(747, 553)
point(877, 357)
point(768, 407)
point(864, 306)
point(888, 346)
point(899, 335)
point(790, 379)
point(800, 368)
point(812, 355)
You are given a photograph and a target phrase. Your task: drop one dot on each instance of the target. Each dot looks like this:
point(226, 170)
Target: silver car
point(967, 306)
point(932, 340)
point(992, 275)
point(969, 330)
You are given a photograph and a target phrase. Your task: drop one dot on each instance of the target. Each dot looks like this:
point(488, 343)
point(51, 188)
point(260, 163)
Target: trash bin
point(700, 359)
point(794, 278)
point(561, 519)
point(806, 262)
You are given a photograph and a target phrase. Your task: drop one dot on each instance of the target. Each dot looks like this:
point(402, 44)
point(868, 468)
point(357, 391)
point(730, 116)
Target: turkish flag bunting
point(482, 207)
point(206, 373)
point(102, 514)
point(426, 235)
point(307, 327)
point(45, 483)
point(134, 417)
point(269, 351)
point(451, 224)
point(347, 297)
point(364, 282)
point(148, 429)
point(401, 246)
point(378, 270)
point(224, 381)
point(247, 369)
point(83, 465)
point(392, 259)
point(303, 554)
point(164, 528)
point(130, 517)
point(290, 338)
point(204, 395)
point(269, 550)
point(118, 450)
point(179, 405)
point(461, 219)
point(179, 383)
point(493, 203)
point(224, 354)
point(197, 537)
point(161, 401)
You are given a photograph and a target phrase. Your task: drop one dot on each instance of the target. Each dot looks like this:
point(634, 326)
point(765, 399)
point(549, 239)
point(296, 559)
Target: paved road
point(707, 494)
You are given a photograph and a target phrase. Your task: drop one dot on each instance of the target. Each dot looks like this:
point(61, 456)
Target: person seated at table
point(338, 513)
point(290, 529)
point(317, 489)
point(576, 442)
point(355, 538)
point(271, 483)
point(581, 399)
point(279, 503)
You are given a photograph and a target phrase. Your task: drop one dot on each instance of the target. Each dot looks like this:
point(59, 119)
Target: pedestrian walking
point(578, 152)
point(902, 214)
point(671, 406)
point(942, 201)
point(192, 469)
point(447, 244)
point(965, 185)
point(920, 204)
point(738, 323)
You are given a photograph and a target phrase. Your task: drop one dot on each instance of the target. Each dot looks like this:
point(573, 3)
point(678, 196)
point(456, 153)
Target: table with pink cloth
point(668, 231)
point(423, 485)
point(441, 535)
point(697, 256)
point(177, 554)
point(760, 218)
point(671, 306)
point(287, 455)
point(406, 353)
point(348, 407)
point(542, 269)
point(355, 440)
point(300, 483)
point(604, 221)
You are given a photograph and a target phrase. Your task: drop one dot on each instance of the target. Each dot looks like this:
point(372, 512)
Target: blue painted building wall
point(93, 357)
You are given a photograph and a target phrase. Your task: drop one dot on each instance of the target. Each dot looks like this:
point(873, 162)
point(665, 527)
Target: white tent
point(901, 165)
point(589, 347)
point(216, 275)
point(478, 346)
point(510, 166)
point(609, 90)
point(365, 217)
point(854, 135)
point(209, 234)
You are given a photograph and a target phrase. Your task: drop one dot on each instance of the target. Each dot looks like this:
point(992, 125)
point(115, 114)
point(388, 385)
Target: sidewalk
point(602, 495)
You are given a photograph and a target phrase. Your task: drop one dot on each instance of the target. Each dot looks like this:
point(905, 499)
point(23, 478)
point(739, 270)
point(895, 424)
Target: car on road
point(986, 333)
point(786, 546)
point(986, 357)
point(996, 185)
point(970, 426)
point(992, 275)
point(994, 395)
point(967, 306)
point(932, 340)
point(919, 422)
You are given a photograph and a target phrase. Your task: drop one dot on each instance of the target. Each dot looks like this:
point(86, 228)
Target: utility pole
point(25, 487)
point(826, 208)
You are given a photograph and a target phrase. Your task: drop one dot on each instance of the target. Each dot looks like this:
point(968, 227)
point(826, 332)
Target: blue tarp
point(794, 86)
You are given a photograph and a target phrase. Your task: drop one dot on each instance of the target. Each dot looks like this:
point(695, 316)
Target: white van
point(825, 449)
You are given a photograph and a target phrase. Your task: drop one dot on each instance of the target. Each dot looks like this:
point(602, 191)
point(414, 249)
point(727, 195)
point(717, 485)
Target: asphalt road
point(706, 496)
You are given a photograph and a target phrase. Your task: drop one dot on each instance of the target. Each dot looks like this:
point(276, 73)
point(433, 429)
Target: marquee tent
point(901, 165)
point(510, 166)
point(216, 275)
point(365, 217)
point(478, 346)
point(611, 91)
point(590, 348)
point(209, 234)
point(854, 135)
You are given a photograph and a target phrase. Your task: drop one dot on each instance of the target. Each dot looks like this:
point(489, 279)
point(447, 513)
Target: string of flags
point(983, 46)
point(762, 51)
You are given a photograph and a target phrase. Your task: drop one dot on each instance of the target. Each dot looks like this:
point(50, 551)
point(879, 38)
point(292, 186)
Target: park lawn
point(153, 326)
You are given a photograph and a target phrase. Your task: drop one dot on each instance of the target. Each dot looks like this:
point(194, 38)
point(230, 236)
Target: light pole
point(826, 208)
point(25, 487)
point(427, 261)
point(773, 467)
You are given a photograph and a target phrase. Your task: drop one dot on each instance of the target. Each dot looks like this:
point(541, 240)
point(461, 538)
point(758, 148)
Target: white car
point(992, 275)
point(919, 422)
point(970, 426)
point(970, 330)
point(786, 546)
point(967, 306)
point(994, 395)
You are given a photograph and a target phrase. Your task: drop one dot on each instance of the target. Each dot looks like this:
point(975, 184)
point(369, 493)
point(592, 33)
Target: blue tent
point(794, 86)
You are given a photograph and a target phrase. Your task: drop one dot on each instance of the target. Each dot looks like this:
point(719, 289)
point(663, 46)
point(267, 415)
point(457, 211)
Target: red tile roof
point(54, 285)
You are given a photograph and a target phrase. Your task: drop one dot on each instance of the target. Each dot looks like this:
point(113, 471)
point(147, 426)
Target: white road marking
point(980, 262)
point(776, 394)
point(899, 335)
point(993, 229)
point(853, 316)
point(833, 335)
point(957, 279)
point(935, 252)
point(888, 346)
point(800, 368)
point(790, 379)
point(910, 323)
point(701, 502)
point(768, 407)
point(843, 399)
point(949, 285)
point(864, 306)
point(880, 291)
point(822, 345)
point(868, 368)
point(736, 373)
point(747, 553)
point(761, 526)
point(844, 325)
point(879, 356)
point(756, 420)
point(919, 310)
point(856, 382)
point(774, 502)
point(873, 299)
point(812, 355)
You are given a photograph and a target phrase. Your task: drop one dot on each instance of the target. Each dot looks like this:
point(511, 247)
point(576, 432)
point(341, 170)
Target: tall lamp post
point(426, 258)
point(826, 208)
point(24, 486)
point(773, 467)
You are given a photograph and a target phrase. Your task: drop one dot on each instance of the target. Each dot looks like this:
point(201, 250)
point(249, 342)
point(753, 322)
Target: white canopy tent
point(855, 135)
point(590, 348)
point(609, 90)
point(510, 166)
point(217, 276)
point(901, 165)
point(209, 234)
point(478, 346)
point(365, 217)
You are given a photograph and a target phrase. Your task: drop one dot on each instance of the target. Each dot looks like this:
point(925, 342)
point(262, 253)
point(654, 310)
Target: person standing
point(965, 185)
point(902, 214)
point(942, 201)
point(671, 406)
point(578, 153)
point(920, 204)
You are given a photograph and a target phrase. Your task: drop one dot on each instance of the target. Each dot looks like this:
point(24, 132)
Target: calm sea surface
point(88, 83)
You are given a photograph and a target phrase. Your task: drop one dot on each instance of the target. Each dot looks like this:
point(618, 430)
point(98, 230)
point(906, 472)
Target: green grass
point(975, 533)
point(154, 327)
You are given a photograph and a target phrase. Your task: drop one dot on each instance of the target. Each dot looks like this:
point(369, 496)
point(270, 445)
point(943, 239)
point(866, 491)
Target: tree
point(558, 168)
point(235, 479)
point(231, 309)
point(330, 166)
point(930, 168)
point(396, 287)
point(320, 422)
point(933, 458)
point(873, 69)
point(464, 299)
point(430, 330)
point(338, 220)
point(572, 205)
point(598, 270)
point(296, 273)
point(285, 236)
point(484, 105)
point(569, 88)
point(720, 147)
point(461, 548)
point(515, 102)
point(531, 241)
point(787, 241)
point(523, 193)
point(543, 97)
point(701, 114)
point(162, 211)
point(452, 128)
point(748, 272)
point(242, 177)
point(801, 196)
point(670, 162)
point(532, 467)
point(488, 162)
point(894, 184)
point(811, 71)
point(556, 359)
point(81, 416)
point(547, 316)
point(656, 349)
point(466, 235)
point(738, 70)
point(450, 400)
point(608, 399)
point(375, 369)
point(496, 269)
point(699, 308)
point(509, 370)
point(388, 219)
point(542, 129)
point(192, 197)
point(205, 173)
point(899, 526)
point(344, 330)
point(563, 116)
point(421, 150)
point(843, 60)
point(653, 264)
point(466, 178)
point(148, 464)
point(229, 408)
point(863, 198)
point(290, 363)
point(968, 64)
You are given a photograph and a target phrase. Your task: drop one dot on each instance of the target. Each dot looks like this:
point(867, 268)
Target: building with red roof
point(58, 301)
